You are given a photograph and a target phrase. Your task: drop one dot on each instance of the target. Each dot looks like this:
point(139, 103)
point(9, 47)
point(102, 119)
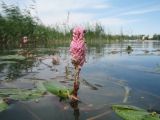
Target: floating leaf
point(12, 57)
point(21, 94)
point(60, 91)
point(157, 68)
point(6, 92)
point(24, 94)
point(128, 112)
point(27, 95)
point(3, 105)
point(7, 62)
point(40, 86)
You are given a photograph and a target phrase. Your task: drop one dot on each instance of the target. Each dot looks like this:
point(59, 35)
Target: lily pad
point(27, 95)
point(3, 106)
point(21, 94)
point(128, 112)
point(6, 92)
point(40, 86)
point(7, 62)
point(157, 68)
point(12, 57)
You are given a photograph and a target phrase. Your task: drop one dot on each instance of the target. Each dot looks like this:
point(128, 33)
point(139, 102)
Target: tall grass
point(16, 23)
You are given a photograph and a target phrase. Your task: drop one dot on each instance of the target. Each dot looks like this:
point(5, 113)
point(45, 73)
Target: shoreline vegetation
point(16, 23)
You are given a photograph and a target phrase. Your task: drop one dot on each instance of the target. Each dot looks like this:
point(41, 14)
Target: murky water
point(111, 76)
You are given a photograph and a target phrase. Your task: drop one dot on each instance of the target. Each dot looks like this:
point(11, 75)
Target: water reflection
point(16, 70)
point(76, 112)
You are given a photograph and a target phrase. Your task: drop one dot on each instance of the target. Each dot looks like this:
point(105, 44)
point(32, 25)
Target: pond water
point(111, 75)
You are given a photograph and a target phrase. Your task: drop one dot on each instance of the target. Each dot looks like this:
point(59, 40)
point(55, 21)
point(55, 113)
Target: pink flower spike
point(78, 46)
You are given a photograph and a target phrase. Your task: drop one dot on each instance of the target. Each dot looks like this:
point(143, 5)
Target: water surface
point(111, 76)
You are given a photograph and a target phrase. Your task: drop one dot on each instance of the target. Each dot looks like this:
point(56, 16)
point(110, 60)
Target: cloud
point(116, 21)
point(114, 25)
point(63, 5)
point(61, 19)
point(101, 6)
point(142, 11)
point(112, 14)
point(56, 11)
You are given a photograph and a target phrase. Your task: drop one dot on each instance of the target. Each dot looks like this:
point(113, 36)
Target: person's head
point(25, 39)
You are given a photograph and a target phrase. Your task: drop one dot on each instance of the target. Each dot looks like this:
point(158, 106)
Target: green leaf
point(128, 112)
point(60, 91)
point(21, 94)
point(40, 86)
point(3, 105)
point(27, 95)
point(12, 57)
point(7, 62)
point(6, 92)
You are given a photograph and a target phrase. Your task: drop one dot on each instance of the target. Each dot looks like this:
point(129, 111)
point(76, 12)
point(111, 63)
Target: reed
point(16, 23)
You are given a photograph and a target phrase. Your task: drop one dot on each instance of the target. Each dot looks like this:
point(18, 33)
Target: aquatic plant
point(3, 105)
point(7, 62)
point(20, 94)
point(41, 89)
point(12, 58)
point(129, 49)
point(128, 112)
point(61, 91)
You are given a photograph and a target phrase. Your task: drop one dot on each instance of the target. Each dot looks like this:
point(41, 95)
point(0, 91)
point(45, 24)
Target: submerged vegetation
point(16, 23)
point(42, 88)
point(3, 105)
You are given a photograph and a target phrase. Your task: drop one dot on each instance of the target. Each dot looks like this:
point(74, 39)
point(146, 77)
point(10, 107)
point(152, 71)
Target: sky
point(116, 16)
